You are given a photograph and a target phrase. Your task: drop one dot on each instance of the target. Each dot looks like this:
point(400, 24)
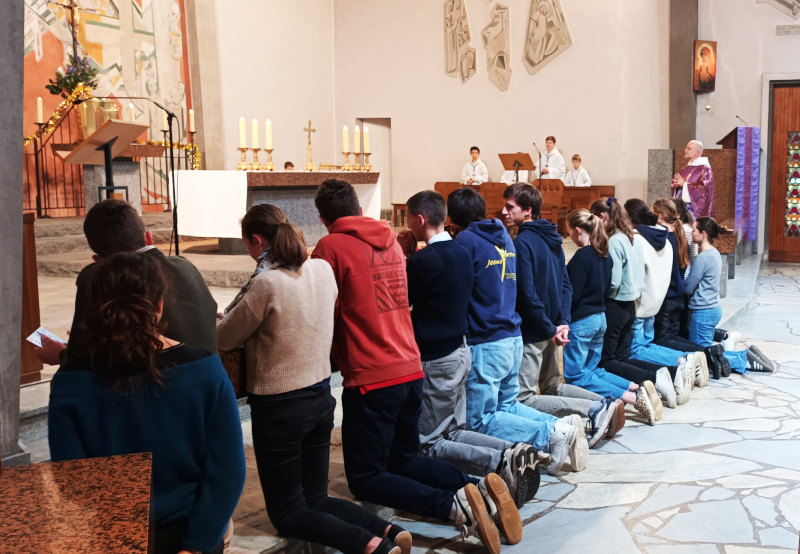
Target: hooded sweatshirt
point(544, 292)
point(373, 339)
point(657, 253)
point(491, 315)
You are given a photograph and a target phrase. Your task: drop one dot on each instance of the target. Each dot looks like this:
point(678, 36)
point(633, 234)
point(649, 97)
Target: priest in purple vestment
point(695, 182)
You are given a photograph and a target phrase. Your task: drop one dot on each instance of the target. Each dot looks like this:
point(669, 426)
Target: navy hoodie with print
point(491, 315)
point(544, 293)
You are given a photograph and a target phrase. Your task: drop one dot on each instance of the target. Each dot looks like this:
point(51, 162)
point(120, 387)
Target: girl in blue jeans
point(703, 283)
point(590, 275)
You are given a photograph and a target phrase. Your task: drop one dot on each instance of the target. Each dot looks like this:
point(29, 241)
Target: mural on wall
point(705, 65)
point(497, 42)
point(547, 35)
point(789, 7)
point(459, 56)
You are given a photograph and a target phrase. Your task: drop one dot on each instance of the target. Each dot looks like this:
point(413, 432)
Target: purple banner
point(748, 167)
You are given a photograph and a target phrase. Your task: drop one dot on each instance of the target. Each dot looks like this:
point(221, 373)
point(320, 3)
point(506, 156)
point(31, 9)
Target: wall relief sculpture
point(789, 7)
point(547, 35)
point(459, 57)
point(497, 42)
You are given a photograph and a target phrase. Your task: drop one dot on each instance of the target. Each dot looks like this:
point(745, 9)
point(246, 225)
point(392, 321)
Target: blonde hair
point(576, 158)
point(665, 209)
point(593, 225)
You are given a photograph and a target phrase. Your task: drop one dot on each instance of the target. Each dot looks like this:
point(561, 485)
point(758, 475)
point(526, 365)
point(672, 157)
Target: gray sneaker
point(682, 390)
point(600, 420)
point(560, 440)
point(471, 518)
point(579, 448)
point(665, 388)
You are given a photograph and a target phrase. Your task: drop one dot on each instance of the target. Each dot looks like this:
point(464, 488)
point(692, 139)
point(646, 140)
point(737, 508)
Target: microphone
point(742, 120)
point(537, 148)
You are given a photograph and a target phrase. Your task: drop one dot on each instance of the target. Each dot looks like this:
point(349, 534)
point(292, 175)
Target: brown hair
point(113, 226)
point(665, 209)
point(551, 137)
point(710, 227)
point(576, 157)
point(618, 220)
point(122, 326)
point(287, 246)
point(526, 196)
point(592, 224)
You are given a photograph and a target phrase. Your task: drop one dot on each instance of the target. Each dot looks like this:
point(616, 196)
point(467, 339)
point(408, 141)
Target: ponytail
point(710, 227)
point(123, 328)
point(618, 221)
point(287, 246)
point(639, 213)
point(593, 225)
point(666, 210)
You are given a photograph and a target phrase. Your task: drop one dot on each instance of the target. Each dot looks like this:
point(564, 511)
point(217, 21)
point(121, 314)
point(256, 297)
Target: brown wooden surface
point(307, 179)
point(583, 197)
point(87, 153)
point(723, 164)
point(785, 118)
point(730, 140)
point(30, 365)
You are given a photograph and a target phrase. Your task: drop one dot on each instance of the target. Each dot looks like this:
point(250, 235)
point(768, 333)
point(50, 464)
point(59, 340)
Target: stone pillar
point(11, 133)
point(682, 103)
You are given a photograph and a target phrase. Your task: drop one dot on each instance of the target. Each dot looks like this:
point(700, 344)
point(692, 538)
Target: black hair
point(471, 148)
point(640, 213)
point(336, 199)
point(430, 204)
point(710, 227)
point(113, 226)
point(465, 206)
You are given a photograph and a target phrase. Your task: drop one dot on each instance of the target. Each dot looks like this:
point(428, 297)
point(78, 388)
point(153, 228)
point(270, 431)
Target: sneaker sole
point(651, 419)
point(690, 375)
point(404, 541)
point(532, 473)
point(655, 400)
point(508, 520)
point(701, 378)
point(617, 422)
point(668, 397)
point(579, 448)
point(487, 530)
point(602, 427)
point(682, 397)
point(519, 463)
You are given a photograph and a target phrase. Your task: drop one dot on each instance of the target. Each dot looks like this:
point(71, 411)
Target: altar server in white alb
point(577, 176)
point(474, 172)
point(553, 166)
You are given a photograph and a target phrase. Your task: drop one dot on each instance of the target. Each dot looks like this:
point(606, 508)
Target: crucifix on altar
point(74, 19)
point(309, 165)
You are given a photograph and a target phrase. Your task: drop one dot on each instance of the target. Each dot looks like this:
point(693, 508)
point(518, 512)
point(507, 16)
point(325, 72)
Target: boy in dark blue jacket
point(496, 344)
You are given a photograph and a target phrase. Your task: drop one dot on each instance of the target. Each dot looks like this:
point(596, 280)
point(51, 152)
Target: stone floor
point(719, 474)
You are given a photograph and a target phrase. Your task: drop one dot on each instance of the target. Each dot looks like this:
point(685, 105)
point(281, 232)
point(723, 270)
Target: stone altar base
point(126, 174)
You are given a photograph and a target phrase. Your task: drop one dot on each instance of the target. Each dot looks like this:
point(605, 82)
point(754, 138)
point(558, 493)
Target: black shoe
point(762, 358)
point(387, 546)
point(714, 365)
point(754, 363)
point(720, 335)
point(726, 365)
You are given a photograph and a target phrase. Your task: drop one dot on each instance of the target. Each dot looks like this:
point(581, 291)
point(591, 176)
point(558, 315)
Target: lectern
point(515, 162)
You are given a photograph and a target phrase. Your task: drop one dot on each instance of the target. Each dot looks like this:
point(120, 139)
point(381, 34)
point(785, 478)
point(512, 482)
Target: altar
point(212, 203)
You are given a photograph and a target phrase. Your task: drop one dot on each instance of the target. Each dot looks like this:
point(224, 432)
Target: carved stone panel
point(789, 7)
point(496, 40)
point(547, 35)
point(459, 57)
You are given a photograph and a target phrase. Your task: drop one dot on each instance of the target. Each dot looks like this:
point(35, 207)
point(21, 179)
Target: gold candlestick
point(357, 164)
point(243, 162)
point(269, 166)
point(255, 165)
point(346, 166)
point(366, 166)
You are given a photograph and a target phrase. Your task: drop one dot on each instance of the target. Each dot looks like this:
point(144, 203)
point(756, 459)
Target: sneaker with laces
point(579, 447)
point(532, 472)
point(644, 407)
point(472, 519)
point(681, 390)
point(601, 419)
point(655, 400)
point(665, 388)
point(701, 369)
point(512, 470)
point(501, 507)
point(561, 438)
point(617, 421)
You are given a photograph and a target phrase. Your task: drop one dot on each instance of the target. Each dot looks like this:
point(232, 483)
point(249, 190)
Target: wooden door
point(784, 173)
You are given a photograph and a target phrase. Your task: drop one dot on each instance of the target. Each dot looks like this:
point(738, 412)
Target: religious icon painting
point(705, 65)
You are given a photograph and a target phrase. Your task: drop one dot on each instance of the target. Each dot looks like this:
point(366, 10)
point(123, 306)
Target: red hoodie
point(373, 339)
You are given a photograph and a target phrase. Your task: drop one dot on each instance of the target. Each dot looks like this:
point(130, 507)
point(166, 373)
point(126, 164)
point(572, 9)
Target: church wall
point(747, 48)
point(605, 97)
point(276, 61)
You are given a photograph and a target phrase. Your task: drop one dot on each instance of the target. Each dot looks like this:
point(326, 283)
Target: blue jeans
point(492, 389)
point(582, 357)
point(702, 325)
point(642, 347)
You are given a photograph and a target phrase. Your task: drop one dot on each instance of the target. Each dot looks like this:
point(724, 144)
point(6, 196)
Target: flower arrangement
point(78, 71)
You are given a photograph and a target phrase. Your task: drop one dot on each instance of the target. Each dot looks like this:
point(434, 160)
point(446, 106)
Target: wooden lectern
point(554, 207)
point(110, 140)
point(516, 162)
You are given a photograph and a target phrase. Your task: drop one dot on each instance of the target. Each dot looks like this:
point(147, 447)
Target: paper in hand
point(36, 337)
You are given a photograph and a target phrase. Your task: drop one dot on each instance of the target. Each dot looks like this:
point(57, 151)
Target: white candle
point(366, 140)
point(268, 134)
point(254, 131)
point(131, 112)
point(242, 133)
point(345, 139)
point(39, 110)
point(357, 140)
point(191, 121)
point(164, 121)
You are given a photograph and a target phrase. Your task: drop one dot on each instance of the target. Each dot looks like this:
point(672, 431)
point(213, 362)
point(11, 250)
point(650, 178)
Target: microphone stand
point(540, 159)
point(170, 117)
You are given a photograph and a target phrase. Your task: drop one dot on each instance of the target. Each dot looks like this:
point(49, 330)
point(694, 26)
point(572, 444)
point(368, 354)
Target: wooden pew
point(554, 207)
point(583, 197)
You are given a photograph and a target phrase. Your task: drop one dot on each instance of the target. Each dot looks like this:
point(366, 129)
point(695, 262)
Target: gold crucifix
point(74, 20)
point(309, 165)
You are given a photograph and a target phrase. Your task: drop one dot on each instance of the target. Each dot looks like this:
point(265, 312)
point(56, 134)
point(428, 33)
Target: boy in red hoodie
point(375, 349)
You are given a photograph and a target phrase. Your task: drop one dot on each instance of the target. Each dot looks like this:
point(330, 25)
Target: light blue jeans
point(582, 357)
point(492, 389)
point(702, 325)
point(643, 348)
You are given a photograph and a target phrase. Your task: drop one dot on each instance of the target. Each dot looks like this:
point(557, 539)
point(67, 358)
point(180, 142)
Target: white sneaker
point(655, 400)
point(561, 438)
point(471, 518)
point(691, 370)
point(732, 341)
point(665, 388)
point(701, 369)
point(579, 448)
point(681, 389)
